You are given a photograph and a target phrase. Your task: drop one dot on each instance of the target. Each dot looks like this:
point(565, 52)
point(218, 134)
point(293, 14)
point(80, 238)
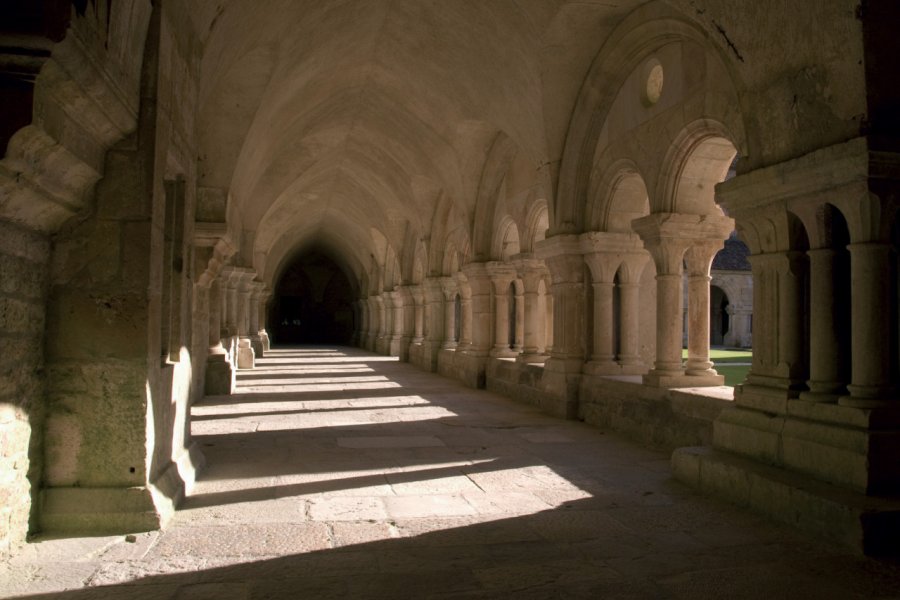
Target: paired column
point(562, 371)
point(450, 289)
point(873, 384)
point(633, 265)
point(668, 237)
point(501, 276)
point(531, 272)
point(699, 259)
point(603, 267)
point(825, 379)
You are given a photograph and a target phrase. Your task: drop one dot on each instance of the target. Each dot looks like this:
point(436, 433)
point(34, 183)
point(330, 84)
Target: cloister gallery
point(524, 196)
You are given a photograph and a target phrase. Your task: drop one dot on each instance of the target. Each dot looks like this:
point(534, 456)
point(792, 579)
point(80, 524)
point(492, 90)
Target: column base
point(867, 524)
point(110, 510)
point(220, 376)
point(246, 359)
point(532, 358)
point(257, 345)
point(668, 379)
point(503, 352)
point(870, 397)
point(853, 448)
point(561, 382)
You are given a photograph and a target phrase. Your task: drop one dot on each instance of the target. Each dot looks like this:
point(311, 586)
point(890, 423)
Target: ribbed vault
point(325, 119)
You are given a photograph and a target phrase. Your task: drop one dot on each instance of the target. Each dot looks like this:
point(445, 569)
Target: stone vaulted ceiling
point(326, 120)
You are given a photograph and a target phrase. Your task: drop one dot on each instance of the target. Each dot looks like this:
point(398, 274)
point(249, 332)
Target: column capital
point(449, 287)
point(501, 274)
point(699, 256)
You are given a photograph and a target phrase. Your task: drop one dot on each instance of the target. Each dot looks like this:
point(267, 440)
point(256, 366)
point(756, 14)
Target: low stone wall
point(519, 381)
point(659, 417)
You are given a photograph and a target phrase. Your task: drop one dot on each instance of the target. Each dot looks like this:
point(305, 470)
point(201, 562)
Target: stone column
point(562, 371)
point(465, 314)
point(401, 322)
point(501, 276)
point(417, 294)
point(519, 340)
point(256, 291)
point(629, 356)
point(220, 376)
point(872, 383)
point(450, 289)
point(699, 259)
point(603, 267)
point(825, 381)
point(374, 323)
point(667, 236)
point(531, 272)
point(230, 279)
point(246, 359)
point(478, 330)
point(262, 307)
point(382, 311)
point(431, 300)
point(791, 269)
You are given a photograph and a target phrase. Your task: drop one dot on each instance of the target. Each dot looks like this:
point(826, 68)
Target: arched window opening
point(718, 316)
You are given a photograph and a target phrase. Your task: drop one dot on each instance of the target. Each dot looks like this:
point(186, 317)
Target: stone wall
point(23, 288)
point(119, 317)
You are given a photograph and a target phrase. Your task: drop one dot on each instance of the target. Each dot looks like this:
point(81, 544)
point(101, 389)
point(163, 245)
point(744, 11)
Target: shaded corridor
point(334, 473)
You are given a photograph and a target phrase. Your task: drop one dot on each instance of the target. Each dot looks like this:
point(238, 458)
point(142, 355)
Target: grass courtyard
point(734, 364)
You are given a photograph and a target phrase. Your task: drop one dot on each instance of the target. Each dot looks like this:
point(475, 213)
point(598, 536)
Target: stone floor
point(341, 474)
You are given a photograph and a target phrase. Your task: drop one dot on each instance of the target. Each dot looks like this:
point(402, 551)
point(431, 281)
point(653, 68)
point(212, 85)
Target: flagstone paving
point(334, 473)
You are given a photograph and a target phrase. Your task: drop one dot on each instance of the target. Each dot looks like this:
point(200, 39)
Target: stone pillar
point(872, 384)
point(603, 267)
point(382, 333)
point(479, 328)
point(629, 356)
point(373, 323)
point(562, 371)
point(263, 300)
point(401, 324)
point(430, 297)
point(531, 272)
point(256, 291)
point(246, 359)
point(465, 314)
point(417, 294)
point(519, 340)
point(501, 276)
point(450, 289)
point(220, 374)
point(699, 259)
point(230, 280)
point(825, 381)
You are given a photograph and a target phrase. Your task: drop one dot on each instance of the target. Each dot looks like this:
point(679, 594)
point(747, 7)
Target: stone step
point(866, 524)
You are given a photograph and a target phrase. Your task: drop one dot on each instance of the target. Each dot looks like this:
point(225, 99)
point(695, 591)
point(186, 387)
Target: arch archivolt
point(606, 117)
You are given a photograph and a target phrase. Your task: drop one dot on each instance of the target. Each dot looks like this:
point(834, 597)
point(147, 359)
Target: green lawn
point(724, 363)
